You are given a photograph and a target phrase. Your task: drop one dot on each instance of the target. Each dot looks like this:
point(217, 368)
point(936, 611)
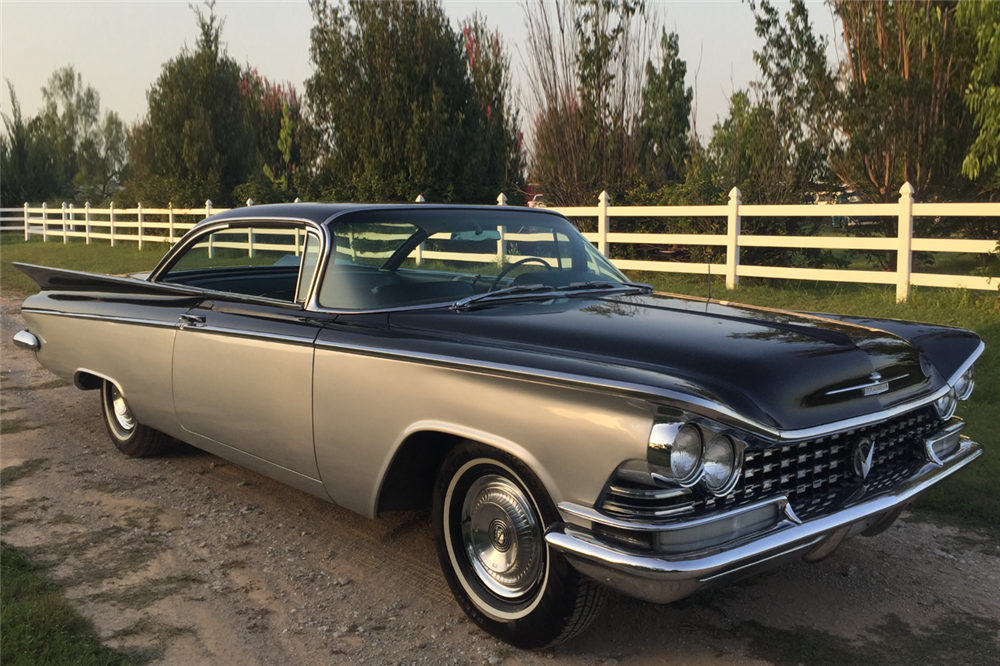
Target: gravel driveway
point(193, 560)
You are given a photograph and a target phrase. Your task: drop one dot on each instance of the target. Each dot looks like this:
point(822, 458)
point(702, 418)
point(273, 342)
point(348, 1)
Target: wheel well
point(86, 381)
point(409, 482)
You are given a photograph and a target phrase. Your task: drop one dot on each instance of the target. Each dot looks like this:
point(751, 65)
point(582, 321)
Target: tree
point(665, 116)
point(195, 142)
point(587, 61)
point(28, 160)
point(982, 94)
point(398, 109)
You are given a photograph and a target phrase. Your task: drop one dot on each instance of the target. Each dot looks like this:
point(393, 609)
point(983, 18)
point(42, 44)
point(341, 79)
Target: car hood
point(783, 369)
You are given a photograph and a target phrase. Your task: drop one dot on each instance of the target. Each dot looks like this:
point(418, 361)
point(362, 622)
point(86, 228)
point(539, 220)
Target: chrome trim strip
point(956, 425)
point(716, 562)
point(252, 335)
point(594, 516)
point(686, 401)
point(27, 340)
point(709, 408)
point(648, 493)
point(108, 318)
point(973, 357)
point(868, 385)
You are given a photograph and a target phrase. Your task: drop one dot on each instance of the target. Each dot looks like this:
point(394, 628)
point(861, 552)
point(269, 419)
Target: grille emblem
point(863, 456)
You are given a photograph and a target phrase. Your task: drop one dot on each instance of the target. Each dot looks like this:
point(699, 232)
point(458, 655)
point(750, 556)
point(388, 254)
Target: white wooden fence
point(158, 225)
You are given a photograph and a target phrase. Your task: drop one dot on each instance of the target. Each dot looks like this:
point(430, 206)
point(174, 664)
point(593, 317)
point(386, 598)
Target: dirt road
point(193, 560)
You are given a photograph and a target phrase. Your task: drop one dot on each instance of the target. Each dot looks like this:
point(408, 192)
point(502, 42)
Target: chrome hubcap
point(123, 415)
point(502, 536)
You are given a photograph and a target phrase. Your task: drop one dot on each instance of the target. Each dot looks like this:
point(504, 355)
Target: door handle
point(191, 320)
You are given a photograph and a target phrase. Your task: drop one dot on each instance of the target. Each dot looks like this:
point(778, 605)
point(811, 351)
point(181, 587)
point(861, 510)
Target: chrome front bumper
point(665, 578)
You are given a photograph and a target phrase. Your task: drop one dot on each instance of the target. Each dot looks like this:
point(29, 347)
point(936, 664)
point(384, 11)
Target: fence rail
point(166, 225)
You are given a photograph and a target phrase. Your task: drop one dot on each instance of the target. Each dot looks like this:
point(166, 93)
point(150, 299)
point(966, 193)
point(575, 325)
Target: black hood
point(783, 369)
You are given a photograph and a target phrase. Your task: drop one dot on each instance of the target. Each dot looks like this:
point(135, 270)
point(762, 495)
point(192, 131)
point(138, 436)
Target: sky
point(120, 47)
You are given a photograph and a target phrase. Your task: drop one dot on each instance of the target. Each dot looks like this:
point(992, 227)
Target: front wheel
point(490, 516)
point(129, 436)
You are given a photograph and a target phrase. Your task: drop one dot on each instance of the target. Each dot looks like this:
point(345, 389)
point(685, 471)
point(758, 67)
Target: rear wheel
point(129, 436)
point(490, 516)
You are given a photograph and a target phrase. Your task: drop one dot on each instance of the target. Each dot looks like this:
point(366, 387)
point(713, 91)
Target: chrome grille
point(816, 475)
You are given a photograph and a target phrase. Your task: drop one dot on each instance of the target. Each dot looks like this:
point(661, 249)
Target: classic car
point(570, 431)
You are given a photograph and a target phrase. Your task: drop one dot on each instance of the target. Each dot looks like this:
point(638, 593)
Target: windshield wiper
point(533, 291)
point(603, 284)
point(516, 290)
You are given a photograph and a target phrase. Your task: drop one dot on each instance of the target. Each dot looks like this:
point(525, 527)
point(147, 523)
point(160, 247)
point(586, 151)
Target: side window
point(260, 260)
point(310, 257)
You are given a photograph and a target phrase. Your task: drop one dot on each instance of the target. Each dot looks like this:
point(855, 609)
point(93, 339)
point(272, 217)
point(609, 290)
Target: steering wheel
point(514, 265)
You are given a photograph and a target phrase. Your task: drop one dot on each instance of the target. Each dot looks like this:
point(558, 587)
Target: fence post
point(139, 217)
point(170, 220)
point(733, 239)
point(111, 222)
point(87, 221)
point(27, 233)
point(65, 237)
point(419, 258)
point(602, 223)
point(250, 240)
point(45, 222)
point(208, 207)
point(904, 256)
point(502, 242)
point(249, 201)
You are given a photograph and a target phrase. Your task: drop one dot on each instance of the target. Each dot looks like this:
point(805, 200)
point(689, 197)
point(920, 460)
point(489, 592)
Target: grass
point(12, 473)
point(970, 495)
point(95, 258)
point(39, 626)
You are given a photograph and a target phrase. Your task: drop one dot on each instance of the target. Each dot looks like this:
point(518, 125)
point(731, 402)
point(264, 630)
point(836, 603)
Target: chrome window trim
point(189, 239)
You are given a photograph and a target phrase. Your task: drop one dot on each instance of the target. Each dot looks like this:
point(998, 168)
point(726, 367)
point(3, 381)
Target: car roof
point(321, 213)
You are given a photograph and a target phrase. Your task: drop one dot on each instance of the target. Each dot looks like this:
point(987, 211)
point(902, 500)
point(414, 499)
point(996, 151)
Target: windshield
point(398, 258)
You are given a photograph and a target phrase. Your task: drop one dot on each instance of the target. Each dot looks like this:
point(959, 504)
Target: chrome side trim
point(252, 335)
point(662, 579)
point(109, 318)
point(594, 516)
point(27, 340)
point(709, 408)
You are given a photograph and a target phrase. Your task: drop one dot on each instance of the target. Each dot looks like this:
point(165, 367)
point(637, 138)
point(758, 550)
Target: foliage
point(90, 148)
point(587, 63)
point(982, 95)
point(28, 160)
point(274, 112)
point(401, 105)
point(196, 137)
point(665, 117)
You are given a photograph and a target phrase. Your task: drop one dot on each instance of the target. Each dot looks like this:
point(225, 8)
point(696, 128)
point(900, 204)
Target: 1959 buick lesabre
point(570, 430)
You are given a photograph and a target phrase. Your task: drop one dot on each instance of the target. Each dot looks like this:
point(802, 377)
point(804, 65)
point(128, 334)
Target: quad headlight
point(945, 405)
point(965, 384)
point(720, 464)
point(678, 454)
